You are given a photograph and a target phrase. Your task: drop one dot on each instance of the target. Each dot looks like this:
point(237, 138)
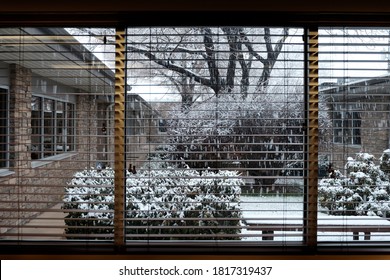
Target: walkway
point(47, 226)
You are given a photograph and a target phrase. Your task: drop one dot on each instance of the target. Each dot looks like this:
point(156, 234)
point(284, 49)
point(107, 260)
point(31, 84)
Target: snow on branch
point(171, 66)
point(183, 50)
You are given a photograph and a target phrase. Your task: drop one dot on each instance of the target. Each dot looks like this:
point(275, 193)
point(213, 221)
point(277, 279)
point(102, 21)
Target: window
point(354, 78)
point(51, 123)
point(347, 125)
point(60, 123)
point(232, 163)
point(3, 128)
point(226, 117)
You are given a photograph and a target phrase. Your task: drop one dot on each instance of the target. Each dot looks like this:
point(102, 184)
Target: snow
point(289, 209)
point(156, 198)
point(364, 191)
point(169, 193)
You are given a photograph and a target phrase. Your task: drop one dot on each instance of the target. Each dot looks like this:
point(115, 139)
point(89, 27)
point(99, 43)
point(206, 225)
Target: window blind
point(354, 75)
point(57, 88)
point(216, 138)
point(226, 157)
point(214, 133)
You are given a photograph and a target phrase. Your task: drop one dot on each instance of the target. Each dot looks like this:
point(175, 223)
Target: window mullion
point(310, 217)
point(119, 191)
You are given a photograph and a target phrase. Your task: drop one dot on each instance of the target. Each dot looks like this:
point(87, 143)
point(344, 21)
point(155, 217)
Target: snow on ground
point(290, 209)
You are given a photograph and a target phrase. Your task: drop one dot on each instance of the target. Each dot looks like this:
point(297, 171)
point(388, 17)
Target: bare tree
point(223, 59)
point(236, 65)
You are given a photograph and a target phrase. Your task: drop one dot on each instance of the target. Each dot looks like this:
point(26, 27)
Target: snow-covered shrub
point(260, 132)
point(333, 195)
point(91, 194)
point(365, 191)
point(323, 166)
point(161, 204)
point(385, 162)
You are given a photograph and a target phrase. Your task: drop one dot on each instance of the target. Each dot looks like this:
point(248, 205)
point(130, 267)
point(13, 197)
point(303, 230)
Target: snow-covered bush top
point(365, 191)
point(171, 197)
point(220, 116)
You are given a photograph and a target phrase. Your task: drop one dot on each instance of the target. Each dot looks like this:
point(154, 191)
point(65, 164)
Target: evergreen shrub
point(363, 191)
point(161, 204)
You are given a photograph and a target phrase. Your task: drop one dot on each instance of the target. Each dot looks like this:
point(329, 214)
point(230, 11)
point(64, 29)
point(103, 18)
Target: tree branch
point(250, 48)
point(173, 67)
point(184, 50)
point(231, 34)
point(272, 56)
point(267, 39)
point(211, 60)
point(279, 45)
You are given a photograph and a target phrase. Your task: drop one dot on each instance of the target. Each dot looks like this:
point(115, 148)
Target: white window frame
point(347, 123)
point(4, 129)
point(55, 150)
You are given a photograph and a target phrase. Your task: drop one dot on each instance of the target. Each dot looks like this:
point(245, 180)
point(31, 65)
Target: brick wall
point(375, 133)
point(86, 129)
point(20, 116)
point(32, 189)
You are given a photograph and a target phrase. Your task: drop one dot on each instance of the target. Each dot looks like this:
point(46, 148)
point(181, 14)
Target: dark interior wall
point(329, 6)
point(169, 12)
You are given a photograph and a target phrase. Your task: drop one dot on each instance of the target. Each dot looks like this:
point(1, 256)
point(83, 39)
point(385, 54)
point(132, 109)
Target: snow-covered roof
point(374, 86)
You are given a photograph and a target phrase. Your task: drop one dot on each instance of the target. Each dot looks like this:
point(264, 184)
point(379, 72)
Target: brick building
point(360, 116)
point(57, 118)
point(52, 108)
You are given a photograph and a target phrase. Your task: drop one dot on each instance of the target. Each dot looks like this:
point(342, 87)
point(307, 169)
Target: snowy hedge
point(365, 191)
point(161, 204)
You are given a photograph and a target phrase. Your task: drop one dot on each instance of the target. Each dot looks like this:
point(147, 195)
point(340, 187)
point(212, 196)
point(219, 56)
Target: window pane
point(230, 155)
point(60, 85)
point(70, 127)
point(48, 127)
point(36, 128)
point(3, 127)
point(60, 141)
point(354, 81)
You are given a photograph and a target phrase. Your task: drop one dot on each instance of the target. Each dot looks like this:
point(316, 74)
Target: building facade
point(360, 115)
point(49, 121)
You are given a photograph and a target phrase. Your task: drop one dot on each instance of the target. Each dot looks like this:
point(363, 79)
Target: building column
point(20, 118)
